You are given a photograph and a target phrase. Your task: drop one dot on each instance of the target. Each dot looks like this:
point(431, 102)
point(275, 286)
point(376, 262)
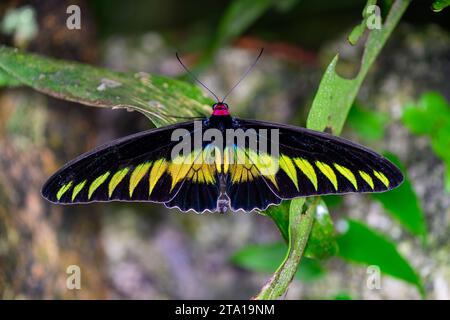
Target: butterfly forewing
point(135, 168)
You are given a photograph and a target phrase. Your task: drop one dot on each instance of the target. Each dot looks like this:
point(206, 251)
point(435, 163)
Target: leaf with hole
point(160, 98)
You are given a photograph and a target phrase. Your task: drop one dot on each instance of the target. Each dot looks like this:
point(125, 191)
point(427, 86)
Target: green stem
point(300, 226)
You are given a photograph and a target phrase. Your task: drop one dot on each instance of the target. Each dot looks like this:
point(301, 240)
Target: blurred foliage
point(332, 200)
point(439, 5)
point(430, 117)
point(403, 204)
point(267, 257)
point(21, 24)
point(162, 99)
point(342, 296)
point(367, 123)
point(359, 243)
point(239, 16)
point(8, 81)
point(321, 243)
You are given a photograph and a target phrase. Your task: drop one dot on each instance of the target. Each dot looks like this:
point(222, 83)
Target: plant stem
point(299, 229)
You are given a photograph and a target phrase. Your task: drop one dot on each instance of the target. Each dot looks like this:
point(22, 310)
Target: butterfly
point(237, 174)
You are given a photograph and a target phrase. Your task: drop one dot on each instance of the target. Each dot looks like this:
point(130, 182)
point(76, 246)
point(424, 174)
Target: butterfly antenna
point(245, 74)
point(195, 78)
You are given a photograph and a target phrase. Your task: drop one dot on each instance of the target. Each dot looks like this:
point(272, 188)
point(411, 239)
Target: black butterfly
point(141, 167)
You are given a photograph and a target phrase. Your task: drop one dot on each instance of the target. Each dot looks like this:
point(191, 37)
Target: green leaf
point(403, 204)
point(7, 81)
point(431, 117)
point(159, 98)
point(342, 296)
point(285, 5)
point(332, 200)
point(429, 114)
point(367, 123)
point(336, 94)
point(280, 216)
point(360, 244)
point(267, 257)
point(241, 14)
point(356, 33)
point(237, 18)
point(322, 242)
point(439, 5)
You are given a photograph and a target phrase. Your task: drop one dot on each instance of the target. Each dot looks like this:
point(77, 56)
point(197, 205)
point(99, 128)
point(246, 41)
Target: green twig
point(299, 230)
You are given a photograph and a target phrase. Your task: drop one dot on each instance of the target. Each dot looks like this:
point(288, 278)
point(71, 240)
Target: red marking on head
point(220, 109)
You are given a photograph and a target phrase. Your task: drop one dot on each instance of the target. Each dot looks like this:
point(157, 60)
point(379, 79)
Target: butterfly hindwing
point(251, 194)
point(195, 196)
point(246, 186)
point(200, 190)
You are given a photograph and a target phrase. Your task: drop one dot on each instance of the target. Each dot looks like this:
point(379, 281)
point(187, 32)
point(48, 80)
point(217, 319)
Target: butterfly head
point(220, 109)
